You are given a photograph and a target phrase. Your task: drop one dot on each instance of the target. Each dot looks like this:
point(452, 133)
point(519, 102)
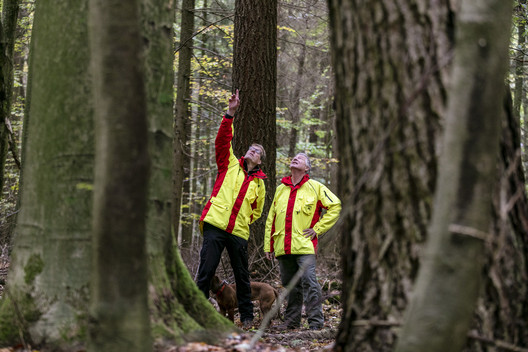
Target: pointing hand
point(234, 103)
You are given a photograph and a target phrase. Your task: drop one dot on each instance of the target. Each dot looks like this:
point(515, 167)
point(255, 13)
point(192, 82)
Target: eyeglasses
point(256, 150)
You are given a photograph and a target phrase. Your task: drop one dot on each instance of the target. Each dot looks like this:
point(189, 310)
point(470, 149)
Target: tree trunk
point(390, 96)
point(7, 44)
point(503, 310)
point(54, 223)
point(119, 308)
point(391, 101)
point(200, 163)
point(255, 75)
point(295, 102)
point(329, 244)
point(177, 307)
point(447, 287)
point(519, 63)
point(519, 101)
point(182, 118)
point(47, 299)
point(524, 132)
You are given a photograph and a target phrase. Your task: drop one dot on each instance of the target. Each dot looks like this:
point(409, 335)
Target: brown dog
point(227, 301)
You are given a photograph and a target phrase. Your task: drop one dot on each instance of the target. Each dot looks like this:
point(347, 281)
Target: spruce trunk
point(255, 75)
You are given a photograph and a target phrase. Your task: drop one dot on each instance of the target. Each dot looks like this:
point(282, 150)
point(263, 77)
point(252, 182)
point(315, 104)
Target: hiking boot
point(247, 324)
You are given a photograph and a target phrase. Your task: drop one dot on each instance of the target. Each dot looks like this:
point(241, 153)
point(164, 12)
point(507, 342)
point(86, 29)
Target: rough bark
point(7, 42)
point(389, 60)
point(182, 118)
point(47, 299)
point(446, 290)
point(255, 75)
point(391, 91)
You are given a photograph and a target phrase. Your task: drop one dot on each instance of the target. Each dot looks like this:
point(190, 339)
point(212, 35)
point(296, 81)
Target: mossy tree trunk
point(46, 300)
point(47, 289)
point(177, 306)
point(119, 315)
point(446, 290)
point(391, 66)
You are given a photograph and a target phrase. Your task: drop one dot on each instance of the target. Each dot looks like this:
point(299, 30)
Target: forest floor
point(298, 340)
point(271, 340)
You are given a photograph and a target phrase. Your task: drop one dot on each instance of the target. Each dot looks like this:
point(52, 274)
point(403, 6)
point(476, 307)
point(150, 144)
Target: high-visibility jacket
point(238, 196)
point(296, 208)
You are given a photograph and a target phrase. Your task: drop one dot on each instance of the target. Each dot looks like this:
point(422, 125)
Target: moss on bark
point(195, 302)
point(15, 317)
point(34, 266)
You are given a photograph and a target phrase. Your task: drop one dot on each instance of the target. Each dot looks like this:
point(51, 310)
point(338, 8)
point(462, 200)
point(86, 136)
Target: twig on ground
point(275, 309)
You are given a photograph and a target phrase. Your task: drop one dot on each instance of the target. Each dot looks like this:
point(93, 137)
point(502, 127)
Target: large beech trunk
point(48, 284)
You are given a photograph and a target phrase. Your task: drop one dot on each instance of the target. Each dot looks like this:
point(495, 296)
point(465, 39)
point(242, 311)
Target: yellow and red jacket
point(238, 196)
point(296, 208)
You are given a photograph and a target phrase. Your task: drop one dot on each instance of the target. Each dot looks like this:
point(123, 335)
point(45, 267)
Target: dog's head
point(216, 284)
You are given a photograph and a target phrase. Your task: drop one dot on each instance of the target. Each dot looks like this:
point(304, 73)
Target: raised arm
point(234, 103)
point(223, 148)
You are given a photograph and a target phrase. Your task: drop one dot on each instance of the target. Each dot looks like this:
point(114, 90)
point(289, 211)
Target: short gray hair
point(308, 162)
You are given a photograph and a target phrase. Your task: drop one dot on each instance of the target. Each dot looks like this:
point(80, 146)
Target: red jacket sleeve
point(223, 148)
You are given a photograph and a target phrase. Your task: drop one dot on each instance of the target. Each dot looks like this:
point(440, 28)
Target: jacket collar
point(256, 172)
point(288, 181)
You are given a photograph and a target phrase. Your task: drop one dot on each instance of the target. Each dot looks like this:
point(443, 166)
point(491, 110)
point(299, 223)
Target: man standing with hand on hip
point(292, 229)
point(236, 201)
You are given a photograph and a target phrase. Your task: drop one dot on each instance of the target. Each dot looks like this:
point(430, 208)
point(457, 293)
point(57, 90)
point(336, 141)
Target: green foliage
point(84, 186)
point(213, 68)
point(25, 24)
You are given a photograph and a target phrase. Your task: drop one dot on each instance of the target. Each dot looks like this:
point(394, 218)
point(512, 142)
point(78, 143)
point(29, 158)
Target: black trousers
point(214, 242)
